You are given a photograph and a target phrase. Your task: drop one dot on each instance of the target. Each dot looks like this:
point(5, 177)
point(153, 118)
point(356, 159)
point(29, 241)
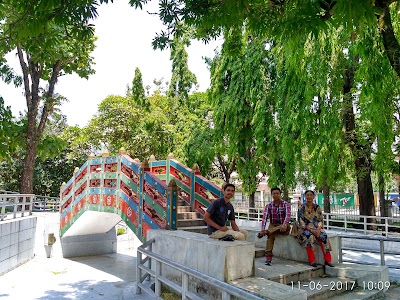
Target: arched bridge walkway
point(145, 195)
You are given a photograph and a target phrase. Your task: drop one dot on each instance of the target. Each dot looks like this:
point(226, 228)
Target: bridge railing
point(15, 205)
point(121, 185)
point(194, 189)
point(144, 271)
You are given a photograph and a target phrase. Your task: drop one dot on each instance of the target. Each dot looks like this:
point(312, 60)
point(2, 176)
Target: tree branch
point(49, 99)
point(25, 74)
point(391, 44)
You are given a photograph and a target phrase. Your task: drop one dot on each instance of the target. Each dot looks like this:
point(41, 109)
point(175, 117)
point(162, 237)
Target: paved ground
point(96, 277)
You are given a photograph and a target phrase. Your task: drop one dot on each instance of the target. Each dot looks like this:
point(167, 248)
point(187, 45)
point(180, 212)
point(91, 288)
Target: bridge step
point(182, 209)
point(188, 215)
point(190, 223)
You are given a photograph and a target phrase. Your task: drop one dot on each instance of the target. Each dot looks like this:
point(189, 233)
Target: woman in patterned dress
point(310, 219)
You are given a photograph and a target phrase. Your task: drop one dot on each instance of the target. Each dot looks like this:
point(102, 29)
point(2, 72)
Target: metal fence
point(40, 203)
point(144, 272)
point(383, 252)
point(393, 210)
point(15, 205)
point(333, 221)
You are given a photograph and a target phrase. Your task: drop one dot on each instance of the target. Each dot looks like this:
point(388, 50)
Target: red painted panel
point(129, 212)
point(180, 176)
point(94, 199)
point(79, 205)
point(159, 170)
point(65, 205)
point(202, 191)
point(65, 219)
point(95, 168)
point(80, 175)
point(155, 195)
point(129, 192)
point(145, 227)
point(109, 200)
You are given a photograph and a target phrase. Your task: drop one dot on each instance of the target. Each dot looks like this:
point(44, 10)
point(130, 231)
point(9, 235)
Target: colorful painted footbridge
point(145, 195)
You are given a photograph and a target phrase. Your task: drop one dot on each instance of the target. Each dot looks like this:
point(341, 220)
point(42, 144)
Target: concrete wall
point(89, 244)
point(17, 242)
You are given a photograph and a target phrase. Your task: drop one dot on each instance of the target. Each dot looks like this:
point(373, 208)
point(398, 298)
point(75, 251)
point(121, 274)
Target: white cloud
point(124, 43)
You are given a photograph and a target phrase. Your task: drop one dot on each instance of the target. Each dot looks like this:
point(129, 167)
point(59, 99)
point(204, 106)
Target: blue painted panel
point(156, 183)
point(109, 191)
point(68, 209)
point(95, 161)
point(159, 163)
point(208, 185)
point(149, 221)
point(111, 159)
point(130, 202)
point(93, 191)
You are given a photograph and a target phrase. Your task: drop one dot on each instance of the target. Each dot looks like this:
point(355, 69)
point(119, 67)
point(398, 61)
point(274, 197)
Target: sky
point(124, 43)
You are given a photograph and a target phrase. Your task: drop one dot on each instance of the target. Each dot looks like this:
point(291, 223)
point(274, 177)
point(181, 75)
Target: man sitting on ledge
point(277, 214)
point(219, 211)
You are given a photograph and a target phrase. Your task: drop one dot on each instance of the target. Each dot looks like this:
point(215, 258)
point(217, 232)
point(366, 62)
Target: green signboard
point(341, 200)
point(320, 199)
point(345, 200)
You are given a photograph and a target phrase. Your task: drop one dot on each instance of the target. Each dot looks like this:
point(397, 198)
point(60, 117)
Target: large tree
point(50, 39)
point(363, 39)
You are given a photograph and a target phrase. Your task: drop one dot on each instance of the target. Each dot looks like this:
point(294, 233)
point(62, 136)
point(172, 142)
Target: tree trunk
point(382, 204)
point(252, 213)
point(32, 73)
point(29, 167)
point(361, 153)
point(327, 204)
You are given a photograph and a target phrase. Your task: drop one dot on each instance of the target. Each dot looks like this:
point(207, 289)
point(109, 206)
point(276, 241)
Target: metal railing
point(46, 203)
point(15, 205)
point(332, 221)
point(382, 251)
point(40, 203)
point(393, 209)
point(361, 223)
point(183, 289)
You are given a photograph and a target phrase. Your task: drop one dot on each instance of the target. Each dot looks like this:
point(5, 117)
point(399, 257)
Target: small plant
point(121, 231)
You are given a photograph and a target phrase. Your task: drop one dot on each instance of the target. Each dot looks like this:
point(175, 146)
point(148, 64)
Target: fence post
point(340, 249)
point(382, 250)
point(225, 296)
point(365, 224)
point(185, 285)
point(138, 272)
point(345, 223)
point(386, 226)
point(157, 288)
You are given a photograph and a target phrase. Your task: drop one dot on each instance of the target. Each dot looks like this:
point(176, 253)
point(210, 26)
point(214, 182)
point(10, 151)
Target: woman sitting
point(310, 219)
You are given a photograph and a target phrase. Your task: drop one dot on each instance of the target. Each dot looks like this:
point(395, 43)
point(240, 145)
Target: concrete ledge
point(268, 289)
point(222, 260)
point(287, 246)
point(361, 273)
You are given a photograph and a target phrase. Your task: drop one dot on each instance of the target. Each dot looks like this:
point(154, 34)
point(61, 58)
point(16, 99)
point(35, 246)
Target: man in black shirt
point(221, 210)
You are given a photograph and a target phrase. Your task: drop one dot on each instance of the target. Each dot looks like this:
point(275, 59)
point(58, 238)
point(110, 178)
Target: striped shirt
point(276, 214)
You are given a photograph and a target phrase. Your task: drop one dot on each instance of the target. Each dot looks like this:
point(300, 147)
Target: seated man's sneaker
point(267, 262)
point(228, 238)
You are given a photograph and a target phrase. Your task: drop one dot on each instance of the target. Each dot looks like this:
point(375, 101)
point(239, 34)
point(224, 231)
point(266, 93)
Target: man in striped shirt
point(277, 214)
